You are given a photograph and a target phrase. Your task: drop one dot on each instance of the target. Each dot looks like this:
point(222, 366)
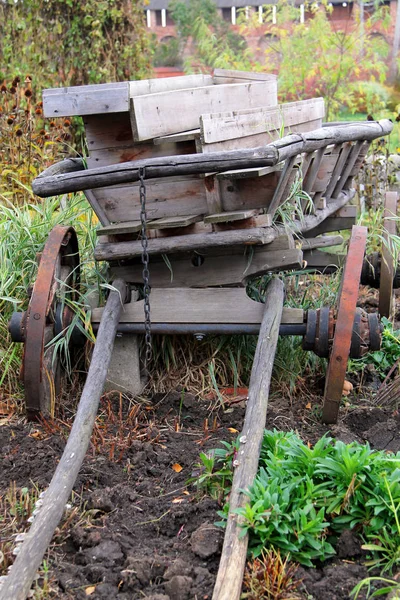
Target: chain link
point(145, 262)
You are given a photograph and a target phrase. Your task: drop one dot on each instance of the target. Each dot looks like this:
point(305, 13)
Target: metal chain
point(145, 262)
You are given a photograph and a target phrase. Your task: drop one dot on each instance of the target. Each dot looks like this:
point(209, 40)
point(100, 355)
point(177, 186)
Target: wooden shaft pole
point(19, 581)
point(233, 559)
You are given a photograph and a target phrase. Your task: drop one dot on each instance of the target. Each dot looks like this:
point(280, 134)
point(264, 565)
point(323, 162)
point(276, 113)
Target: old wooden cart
point(191, 179)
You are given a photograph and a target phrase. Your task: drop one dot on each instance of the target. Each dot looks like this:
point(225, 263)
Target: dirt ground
point(136, 528)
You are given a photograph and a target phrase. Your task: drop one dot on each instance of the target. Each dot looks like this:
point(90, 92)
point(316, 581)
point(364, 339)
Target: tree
point(315, 59)
point(213, 43)
point(74, 42)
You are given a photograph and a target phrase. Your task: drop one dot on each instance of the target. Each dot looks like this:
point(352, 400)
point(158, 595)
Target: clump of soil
point(137, 528)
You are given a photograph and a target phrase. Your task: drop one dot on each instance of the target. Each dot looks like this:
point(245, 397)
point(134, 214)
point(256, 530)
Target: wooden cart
point(200, 183)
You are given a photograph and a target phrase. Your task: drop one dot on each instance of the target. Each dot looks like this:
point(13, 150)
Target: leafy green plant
point(384, 358)
point(303, 497)
point(215, 471)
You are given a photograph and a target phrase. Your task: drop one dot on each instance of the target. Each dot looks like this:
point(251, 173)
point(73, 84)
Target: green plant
point(215, 471)
point(270, 577)
point(74, 43)
point(384, 358)
point(392, 587)
point(23, 233)
point(303, 497)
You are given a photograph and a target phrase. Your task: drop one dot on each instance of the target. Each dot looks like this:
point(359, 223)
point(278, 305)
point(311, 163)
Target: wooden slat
point(184, 136)
point(226, 217)
point(260, 220)
point(111, 97)
point(217, 305)
point(86, 100)
point(120, 228)
point(243, 123)
point(167, 84)
point(247, 173)
point(167, 197)
point(332, 224)
point(213, 194)
point(323, 241)
point(197, 271)
point(279, 195)
point(172, 222)
point(344, 153)
point(260, 139)
point(161, 114)
point(231, 76)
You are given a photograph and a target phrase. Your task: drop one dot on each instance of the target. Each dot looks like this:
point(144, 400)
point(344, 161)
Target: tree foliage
point(214, 43)
point(73, 42)
point(317, 58)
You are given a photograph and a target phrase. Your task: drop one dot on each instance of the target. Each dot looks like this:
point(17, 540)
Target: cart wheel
point(47, 315)
point(345, 317)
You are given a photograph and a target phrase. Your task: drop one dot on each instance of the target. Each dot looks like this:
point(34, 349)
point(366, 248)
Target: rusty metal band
point(344, 325)
point(38, 310)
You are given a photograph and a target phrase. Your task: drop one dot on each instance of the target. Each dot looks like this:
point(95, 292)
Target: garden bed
point(136, 528)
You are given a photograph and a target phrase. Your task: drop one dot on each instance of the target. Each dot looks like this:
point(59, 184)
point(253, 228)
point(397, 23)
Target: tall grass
point(23, 232)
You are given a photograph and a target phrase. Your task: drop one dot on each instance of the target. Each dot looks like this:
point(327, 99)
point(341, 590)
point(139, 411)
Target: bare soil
point(137, 529)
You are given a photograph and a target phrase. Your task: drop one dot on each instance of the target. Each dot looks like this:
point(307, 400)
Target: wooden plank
point(138, 151)
point(184, 136)
point(208, 271)
point(229, 581)
point(86, 100)
point(262, 220)
point(351, 210)
point(215, 305)
point(324, 241)
point(120, 228)
point(226, 217)
point(281, 189)
point(183, 243)
point(161, 114)
point(108, 131)
point(231, 76)
point(111, 97)
point(144, 87)
point(237, 124)
point(247, 173)
point(169, 197)
point(260, 139)
point(325, 262)
point(168, 222)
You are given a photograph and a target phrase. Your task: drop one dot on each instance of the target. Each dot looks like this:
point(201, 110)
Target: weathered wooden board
point(169, 197)
point(234, 215)
point(242, 194)
point(220, 127)
point(231, 76)
point(260, 139)
point(184, 136)
point(86, 100)
point(155, 115)
point(141, 150)
point(212, 271)
point(217, 305)
point(110, 141)
point(174, 222)
point(111, 97)
point(120, 228)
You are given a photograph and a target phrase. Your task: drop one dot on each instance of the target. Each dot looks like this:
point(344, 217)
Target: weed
point(215, 471)
point(270, 577)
